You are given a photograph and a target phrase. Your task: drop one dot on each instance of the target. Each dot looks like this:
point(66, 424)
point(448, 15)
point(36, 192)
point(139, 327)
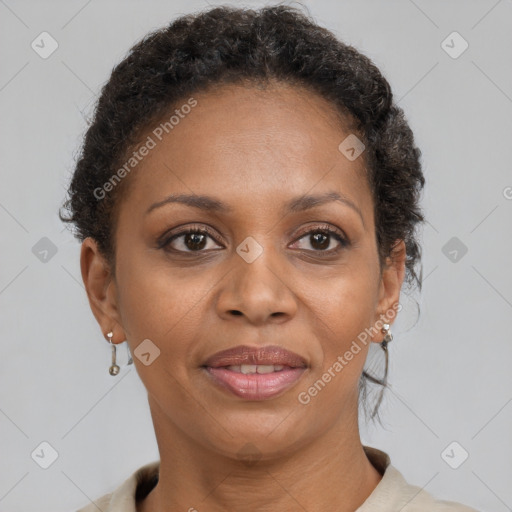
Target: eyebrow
point(297, 204)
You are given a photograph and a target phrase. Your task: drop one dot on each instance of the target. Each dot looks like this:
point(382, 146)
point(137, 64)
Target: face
point(253, 264)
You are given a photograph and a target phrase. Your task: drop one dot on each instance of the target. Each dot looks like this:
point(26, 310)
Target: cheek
point(163, 305)
point(340, 316)
point(342, 308)
point(155, 298)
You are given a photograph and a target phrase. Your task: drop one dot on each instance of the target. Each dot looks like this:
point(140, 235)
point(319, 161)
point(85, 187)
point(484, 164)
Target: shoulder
point(100, 503)
point(123, 498)
point(415, 499)
point(394, 493)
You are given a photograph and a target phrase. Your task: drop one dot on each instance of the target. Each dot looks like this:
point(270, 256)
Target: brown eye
point(321, 239)
point(190, 240)
point(194, 241)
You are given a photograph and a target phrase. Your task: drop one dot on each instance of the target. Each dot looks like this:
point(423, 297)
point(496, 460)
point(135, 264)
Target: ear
point(392, 278)
point(101, 290)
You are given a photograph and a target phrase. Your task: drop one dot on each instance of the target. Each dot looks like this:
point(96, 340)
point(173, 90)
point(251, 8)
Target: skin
point(254, 150)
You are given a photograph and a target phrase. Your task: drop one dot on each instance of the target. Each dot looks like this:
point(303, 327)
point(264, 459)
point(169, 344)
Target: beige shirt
point(392, 494)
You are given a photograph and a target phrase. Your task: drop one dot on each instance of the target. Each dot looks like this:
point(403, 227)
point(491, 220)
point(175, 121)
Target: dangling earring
point(384, 344)
point(114, 368)
point(382, 382)
point(387, 337)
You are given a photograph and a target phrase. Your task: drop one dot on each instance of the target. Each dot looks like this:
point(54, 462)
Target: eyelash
point(324, 229)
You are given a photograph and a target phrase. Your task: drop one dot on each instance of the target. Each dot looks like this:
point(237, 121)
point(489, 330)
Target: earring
point(387, 337)
point(114, 369)
point(384, 381)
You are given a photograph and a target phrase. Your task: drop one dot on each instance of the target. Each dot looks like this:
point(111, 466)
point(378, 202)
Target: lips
point(255, 373)
point(244, 355)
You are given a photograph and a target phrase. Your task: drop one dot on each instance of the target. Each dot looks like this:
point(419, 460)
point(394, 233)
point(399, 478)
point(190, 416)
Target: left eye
point(320, 239)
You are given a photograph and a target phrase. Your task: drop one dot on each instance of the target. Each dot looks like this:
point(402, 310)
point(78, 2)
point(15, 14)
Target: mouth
point(255, 373)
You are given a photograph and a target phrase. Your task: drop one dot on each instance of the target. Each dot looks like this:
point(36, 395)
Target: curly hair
point(224, 45)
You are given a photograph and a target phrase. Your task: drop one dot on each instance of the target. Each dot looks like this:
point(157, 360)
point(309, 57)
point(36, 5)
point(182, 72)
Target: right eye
point(192, 239)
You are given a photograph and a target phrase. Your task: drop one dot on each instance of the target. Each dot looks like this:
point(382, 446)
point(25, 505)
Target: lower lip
point(256, 386)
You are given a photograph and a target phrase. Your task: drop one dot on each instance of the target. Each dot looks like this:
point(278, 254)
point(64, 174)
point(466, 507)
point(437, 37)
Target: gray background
point(450, 371)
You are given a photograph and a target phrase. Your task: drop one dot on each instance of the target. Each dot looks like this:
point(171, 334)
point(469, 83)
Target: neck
point(330, 473)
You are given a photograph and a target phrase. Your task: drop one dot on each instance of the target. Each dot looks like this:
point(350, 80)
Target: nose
point(258, 291)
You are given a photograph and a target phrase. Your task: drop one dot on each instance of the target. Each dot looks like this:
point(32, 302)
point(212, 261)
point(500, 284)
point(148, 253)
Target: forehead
point(248, 142)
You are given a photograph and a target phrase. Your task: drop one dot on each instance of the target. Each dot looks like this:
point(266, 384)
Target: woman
point(247, 198)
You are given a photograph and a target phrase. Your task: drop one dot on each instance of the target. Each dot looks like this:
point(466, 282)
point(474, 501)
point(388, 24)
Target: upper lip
point(243, 354)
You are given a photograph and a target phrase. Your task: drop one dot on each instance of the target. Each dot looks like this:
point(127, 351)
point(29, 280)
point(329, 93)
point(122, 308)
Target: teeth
point(248, 368)
point(265, 368)
point(256, 368)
